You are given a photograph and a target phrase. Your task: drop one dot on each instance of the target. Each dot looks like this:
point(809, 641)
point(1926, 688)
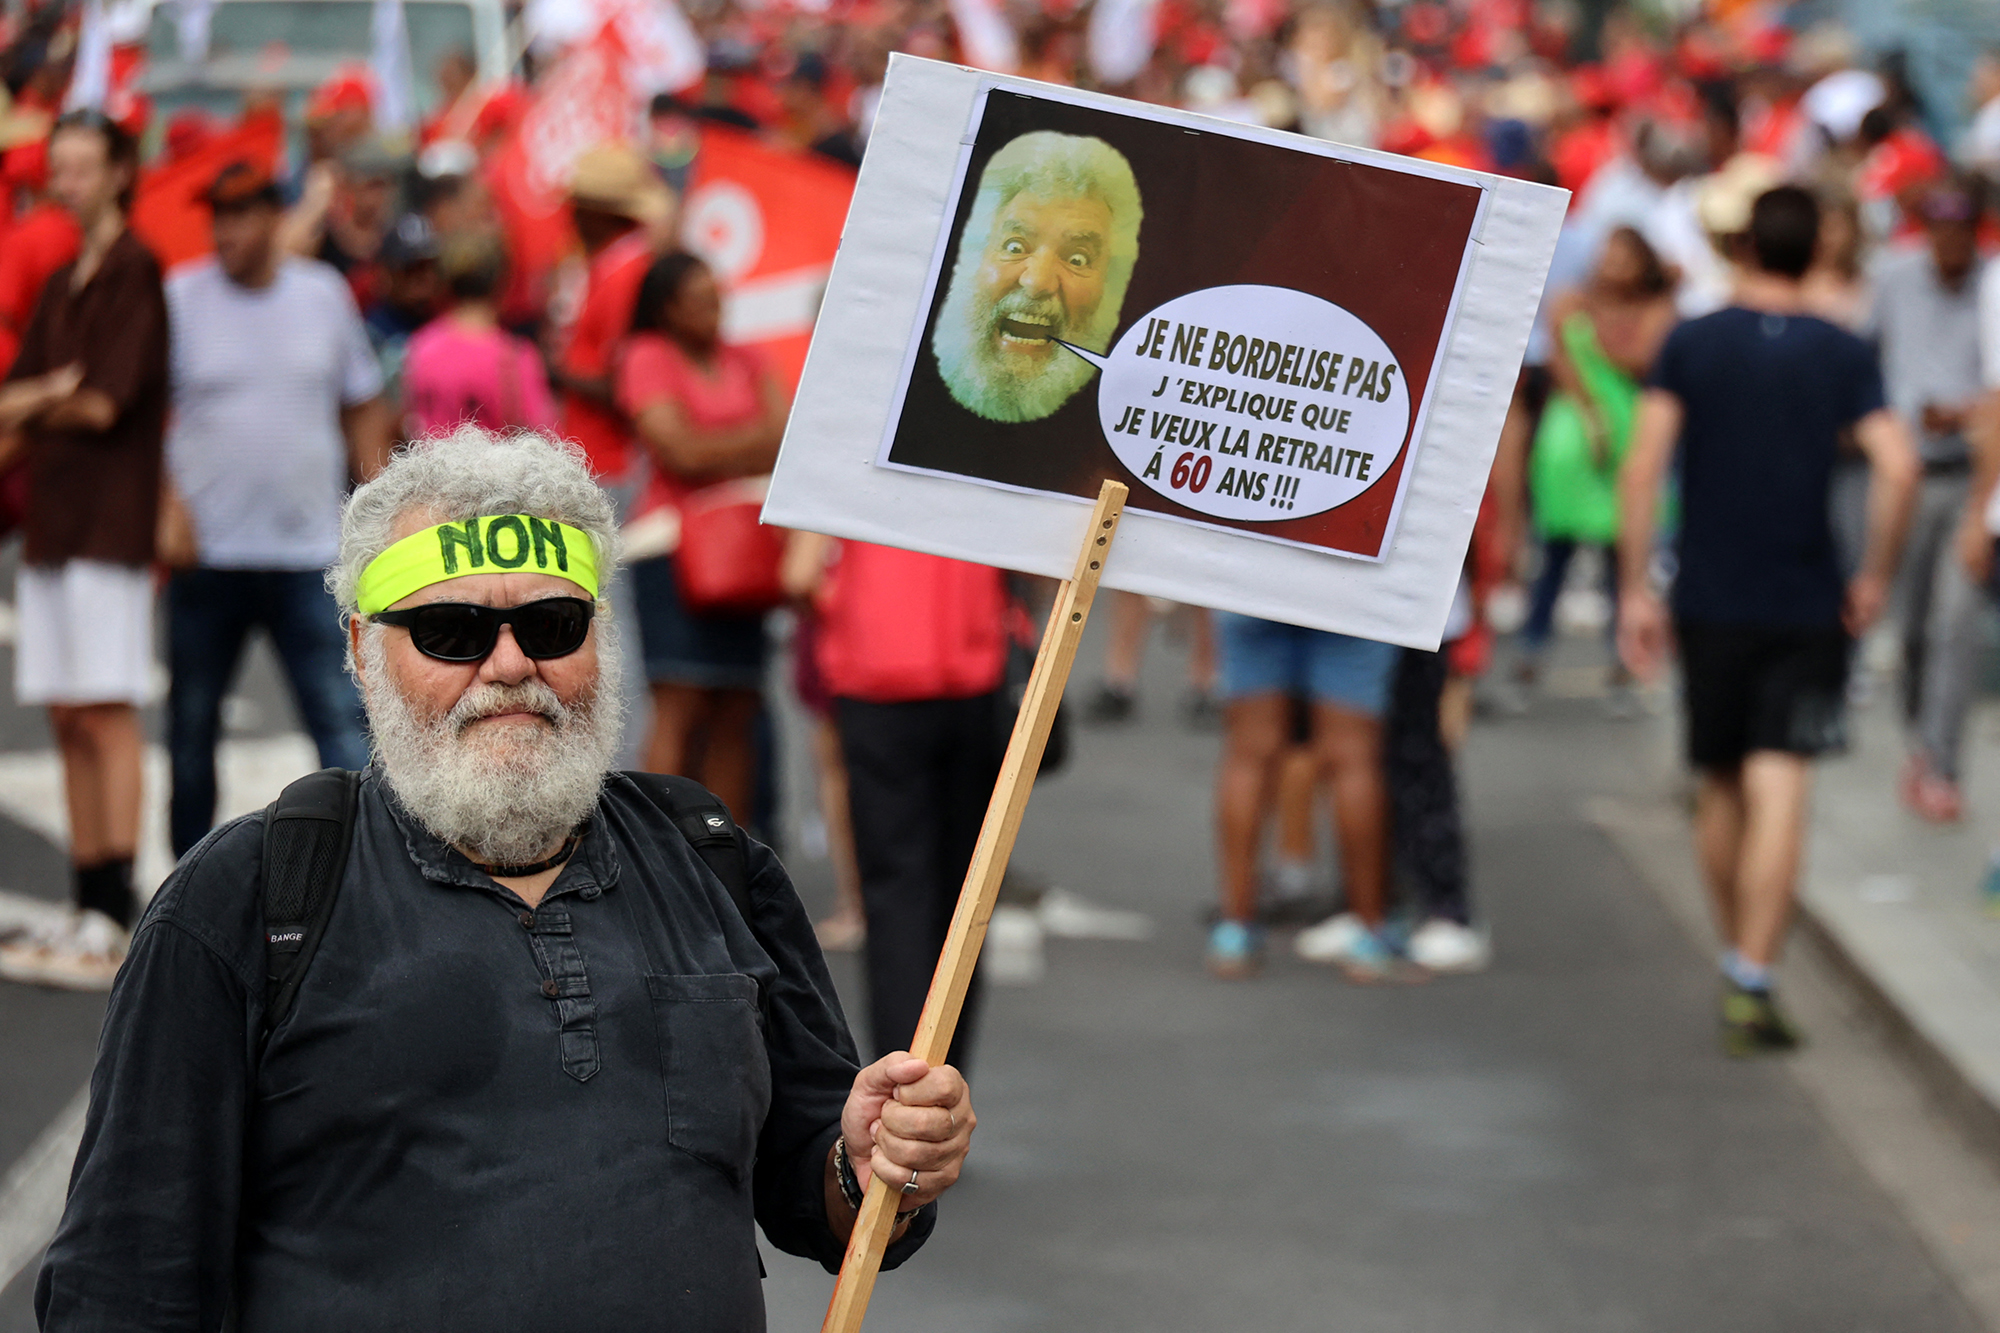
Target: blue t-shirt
point(1766, 397)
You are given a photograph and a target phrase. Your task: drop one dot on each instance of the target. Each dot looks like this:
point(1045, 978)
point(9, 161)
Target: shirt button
point(528, 920)
point(549, 989)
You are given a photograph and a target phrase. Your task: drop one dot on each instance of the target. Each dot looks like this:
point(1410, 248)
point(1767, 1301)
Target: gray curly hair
point(472, 473)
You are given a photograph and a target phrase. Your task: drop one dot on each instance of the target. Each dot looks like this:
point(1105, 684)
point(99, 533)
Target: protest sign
point(1298, 355)
point(1279, 368)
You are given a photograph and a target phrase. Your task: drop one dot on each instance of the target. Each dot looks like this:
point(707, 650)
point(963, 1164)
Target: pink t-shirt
point(653, 368)
point(489, 377)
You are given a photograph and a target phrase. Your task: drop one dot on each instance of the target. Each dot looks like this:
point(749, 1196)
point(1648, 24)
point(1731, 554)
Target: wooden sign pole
point(982, 884)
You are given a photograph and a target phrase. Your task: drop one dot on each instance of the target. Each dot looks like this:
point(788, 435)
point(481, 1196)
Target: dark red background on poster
point(1219, 210)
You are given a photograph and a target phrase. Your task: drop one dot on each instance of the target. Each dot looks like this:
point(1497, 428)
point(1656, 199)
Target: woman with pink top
point(462, 366)
point(705, 410)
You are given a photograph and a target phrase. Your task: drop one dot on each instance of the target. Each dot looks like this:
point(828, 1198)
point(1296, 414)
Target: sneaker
point(83, 954)
point(1110, 705)
point(1442, 945)
point(1752, 1024)
point(1235, 950)
point(1331, 940)
point(1357, 951)
point(1929, 794)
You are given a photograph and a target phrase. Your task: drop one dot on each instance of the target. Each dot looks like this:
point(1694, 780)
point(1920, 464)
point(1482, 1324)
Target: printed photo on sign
point(1247, 334)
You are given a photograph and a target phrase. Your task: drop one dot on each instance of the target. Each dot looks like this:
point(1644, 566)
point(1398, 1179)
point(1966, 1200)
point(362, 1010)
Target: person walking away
point(1264, 667)
point(1926, 325)
point(462, 366)
point(548, 1063)
point(1755, 397)
point(278, 404)
point(87, 397)
point(1607, 334)
point(914, 651)
point(706, 411)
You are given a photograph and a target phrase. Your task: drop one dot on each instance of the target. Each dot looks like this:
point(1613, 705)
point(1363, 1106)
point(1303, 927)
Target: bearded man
point(542, 1071)
point(1045, 259)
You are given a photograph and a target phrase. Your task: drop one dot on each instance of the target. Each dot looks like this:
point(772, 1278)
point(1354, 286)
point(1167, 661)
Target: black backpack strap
point(704, 821)
point(307, 831)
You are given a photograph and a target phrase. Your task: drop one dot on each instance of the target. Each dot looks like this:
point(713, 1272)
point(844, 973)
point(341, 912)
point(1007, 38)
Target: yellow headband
point(495, 545)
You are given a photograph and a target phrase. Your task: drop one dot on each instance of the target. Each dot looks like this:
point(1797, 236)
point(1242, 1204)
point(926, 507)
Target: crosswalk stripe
point(32, 1193)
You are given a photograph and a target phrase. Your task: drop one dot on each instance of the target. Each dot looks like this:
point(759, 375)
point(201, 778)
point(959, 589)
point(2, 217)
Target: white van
point(292, 46)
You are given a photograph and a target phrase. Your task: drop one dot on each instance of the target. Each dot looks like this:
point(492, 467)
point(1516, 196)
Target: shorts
point(706, 652)
point(1267, 657)
point(84, 633)
point(1762, 687)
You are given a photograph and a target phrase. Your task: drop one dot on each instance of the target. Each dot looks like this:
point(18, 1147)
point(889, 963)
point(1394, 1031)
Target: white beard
point(505, 798)
point(987, 387)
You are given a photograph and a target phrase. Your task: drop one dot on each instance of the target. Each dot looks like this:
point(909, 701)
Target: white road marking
point(32, 1194)
point(249, 775)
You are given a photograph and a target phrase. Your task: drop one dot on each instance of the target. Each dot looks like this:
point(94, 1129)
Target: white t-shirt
point(259, 378)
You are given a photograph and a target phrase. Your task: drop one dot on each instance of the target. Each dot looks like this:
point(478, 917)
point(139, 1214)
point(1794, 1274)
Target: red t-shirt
point(652, 368)
point(897, 626)
point(603, 318)
point(42, 241)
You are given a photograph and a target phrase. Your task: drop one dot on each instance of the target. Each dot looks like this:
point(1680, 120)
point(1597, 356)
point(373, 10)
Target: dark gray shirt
point(1929, 336)
point(475, 1116)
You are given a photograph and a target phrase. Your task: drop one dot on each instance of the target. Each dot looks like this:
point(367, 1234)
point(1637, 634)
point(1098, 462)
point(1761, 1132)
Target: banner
point(1296, 354)
point(169, 211)
point(767, 220)
point(389, 62)
point(582, 102)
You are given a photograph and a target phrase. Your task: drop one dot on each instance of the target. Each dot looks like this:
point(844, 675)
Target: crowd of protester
point(370, 289)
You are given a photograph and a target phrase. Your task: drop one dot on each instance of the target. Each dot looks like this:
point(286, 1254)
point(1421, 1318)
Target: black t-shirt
point(1766, 397)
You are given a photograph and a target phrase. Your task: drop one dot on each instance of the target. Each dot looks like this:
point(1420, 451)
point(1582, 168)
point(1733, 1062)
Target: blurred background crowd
point(613, 219)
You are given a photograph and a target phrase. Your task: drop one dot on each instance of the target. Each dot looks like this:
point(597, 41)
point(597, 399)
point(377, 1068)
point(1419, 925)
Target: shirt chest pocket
point(718, 1076)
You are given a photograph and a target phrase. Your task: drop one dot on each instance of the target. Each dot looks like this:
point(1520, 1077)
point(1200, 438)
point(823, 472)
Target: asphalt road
point(1554, 1145)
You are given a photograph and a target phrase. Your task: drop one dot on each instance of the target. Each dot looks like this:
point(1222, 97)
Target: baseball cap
point(347, 90)
point(409, 243)
point(242, 184)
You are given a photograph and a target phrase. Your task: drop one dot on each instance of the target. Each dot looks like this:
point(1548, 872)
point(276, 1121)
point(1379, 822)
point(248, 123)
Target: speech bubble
point(1252, 403)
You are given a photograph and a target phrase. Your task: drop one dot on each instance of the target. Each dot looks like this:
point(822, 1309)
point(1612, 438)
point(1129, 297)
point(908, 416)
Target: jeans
point(1556, 555)
point(1940, 610)
point(210, 613)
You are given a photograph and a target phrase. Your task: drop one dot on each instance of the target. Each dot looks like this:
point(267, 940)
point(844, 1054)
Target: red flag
point(768, 221)
point(584, 101)
point(170, 214)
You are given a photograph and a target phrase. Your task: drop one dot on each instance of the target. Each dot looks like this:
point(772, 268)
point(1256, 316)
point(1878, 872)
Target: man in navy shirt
point(1756, 397)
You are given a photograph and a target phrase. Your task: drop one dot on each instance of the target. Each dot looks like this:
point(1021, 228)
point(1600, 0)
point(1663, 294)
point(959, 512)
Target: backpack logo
point(716, 823)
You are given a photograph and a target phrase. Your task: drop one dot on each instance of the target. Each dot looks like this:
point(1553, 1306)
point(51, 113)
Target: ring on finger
point(910, 1185)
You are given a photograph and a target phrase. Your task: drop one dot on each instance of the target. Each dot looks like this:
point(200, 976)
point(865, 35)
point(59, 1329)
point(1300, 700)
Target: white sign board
point(1297, 354)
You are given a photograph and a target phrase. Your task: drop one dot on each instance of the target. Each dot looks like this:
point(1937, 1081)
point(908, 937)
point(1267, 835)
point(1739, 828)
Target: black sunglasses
point(466, 631)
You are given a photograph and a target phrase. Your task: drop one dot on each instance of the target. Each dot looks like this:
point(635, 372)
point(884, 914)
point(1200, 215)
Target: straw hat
point(613, 177)
point(19, 125)
point(1724, 198)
